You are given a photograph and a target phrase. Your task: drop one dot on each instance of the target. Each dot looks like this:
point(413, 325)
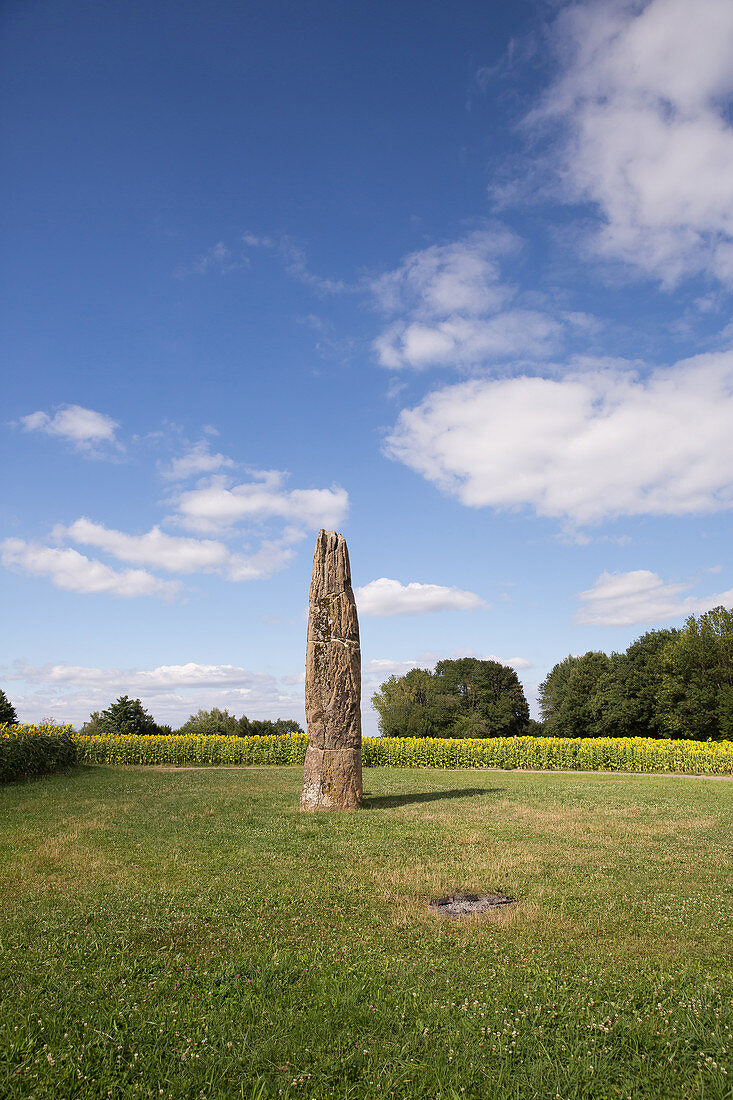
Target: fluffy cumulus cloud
point(70, 693)
point(592, 445)
point(261, 520)
point(85, 429)
point(640, 596)
point(72, 571)
point(175, 554)
point(220, 503)
point(454, 308)
point(389, 597)
point(644, 96)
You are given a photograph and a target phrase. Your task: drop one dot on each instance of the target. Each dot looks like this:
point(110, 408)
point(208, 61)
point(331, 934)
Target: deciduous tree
point(696, 693)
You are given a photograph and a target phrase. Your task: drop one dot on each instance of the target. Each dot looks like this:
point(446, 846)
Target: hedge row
point(626, 754)
point(34, 750)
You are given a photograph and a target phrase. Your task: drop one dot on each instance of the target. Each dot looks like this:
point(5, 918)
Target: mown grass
point(192, 934)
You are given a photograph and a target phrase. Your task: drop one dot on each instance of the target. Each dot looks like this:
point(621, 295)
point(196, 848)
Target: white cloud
point(73, 572)
point(456, 309)
point(170, 692)
point(644, 96)
point(379, 669)
point(178, 555)
point(640, 596)
point(592, 445)
point(464, 341)
point(388, 597)
point(84, 428)
point(152, 681)
point(460, 277)
point(197, 460)
point(212, 507)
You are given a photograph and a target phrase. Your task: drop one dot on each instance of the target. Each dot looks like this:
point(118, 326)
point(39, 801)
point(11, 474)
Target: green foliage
point(264, 727)
point(220, 723)
point(208, 722)
point(552, 688)
point(696, 691)
point(467, 697)
point(34, 750)
point(491, 701)
point(668, 683)
point(566, 695)
point(7, 710)
point(625, 699)
point(414, 706)
point(127, 716)
point(93, 726)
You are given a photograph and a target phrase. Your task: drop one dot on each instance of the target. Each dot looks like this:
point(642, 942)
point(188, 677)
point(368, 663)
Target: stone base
point(331, 779)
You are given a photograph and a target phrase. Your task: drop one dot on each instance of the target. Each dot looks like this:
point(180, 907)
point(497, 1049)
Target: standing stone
point(332, 772)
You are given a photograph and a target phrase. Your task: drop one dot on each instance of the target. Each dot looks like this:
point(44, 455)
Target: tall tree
point(462, 698)
point(7, 711)
point(566, 695)
point(491, 701)
point(412, 706)
point(552, 689)
point(127, 716)
point(696, 693)
point(625, 698)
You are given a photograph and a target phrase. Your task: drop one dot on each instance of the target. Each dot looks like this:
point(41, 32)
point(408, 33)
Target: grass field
point(189, 933)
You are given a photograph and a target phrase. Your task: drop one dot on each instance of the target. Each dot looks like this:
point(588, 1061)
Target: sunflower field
point(34, 750)
point(622, 754)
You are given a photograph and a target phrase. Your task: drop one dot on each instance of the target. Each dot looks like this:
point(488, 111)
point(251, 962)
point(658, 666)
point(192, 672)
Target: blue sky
point(454, 280)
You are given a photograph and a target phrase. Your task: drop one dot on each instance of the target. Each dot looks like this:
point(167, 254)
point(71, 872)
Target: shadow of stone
point(383, 801)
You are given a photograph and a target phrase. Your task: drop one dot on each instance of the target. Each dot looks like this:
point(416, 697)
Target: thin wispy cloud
point(196, 461)
point(218, 259)
point(378, 669)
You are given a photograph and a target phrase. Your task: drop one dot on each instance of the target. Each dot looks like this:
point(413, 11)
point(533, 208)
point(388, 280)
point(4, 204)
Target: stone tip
point(331, 567)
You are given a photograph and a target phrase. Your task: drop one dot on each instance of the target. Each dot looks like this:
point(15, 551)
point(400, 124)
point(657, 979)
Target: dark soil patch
point(463, 905)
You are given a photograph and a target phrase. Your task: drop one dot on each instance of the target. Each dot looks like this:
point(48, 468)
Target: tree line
point(129, 716)
point(668, 683)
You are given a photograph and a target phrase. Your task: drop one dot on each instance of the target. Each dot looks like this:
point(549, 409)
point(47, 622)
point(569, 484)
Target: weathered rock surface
point(332, 772)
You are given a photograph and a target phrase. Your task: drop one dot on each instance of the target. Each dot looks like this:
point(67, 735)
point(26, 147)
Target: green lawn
point(191, 934)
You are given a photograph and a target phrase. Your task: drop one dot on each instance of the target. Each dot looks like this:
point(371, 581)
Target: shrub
point(35, 750)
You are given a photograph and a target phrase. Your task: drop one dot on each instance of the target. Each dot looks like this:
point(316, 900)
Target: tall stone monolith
point(332, 772)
